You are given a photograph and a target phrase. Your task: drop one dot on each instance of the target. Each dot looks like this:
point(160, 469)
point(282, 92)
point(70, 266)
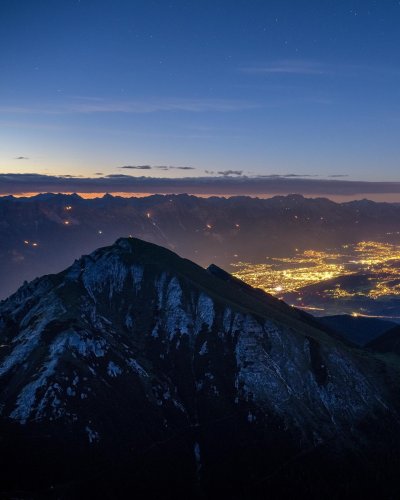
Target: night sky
point(216, 88)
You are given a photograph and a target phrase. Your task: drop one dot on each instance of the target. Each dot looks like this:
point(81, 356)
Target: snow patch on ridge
point(93, 436)
point(113, 369)
point(227, 320)
point(203, 349)
point(159, 285)
point(205, 312)
point(136, 367)
point(137, 275)
point(87, 345)
point(28, 338)
point(20, 353)
point(176, 318)
point(108, 273)
point(27, 397)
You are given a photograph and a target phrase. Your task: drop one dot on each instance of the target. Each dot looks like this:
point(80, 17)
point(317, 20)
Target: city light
point(379, 262)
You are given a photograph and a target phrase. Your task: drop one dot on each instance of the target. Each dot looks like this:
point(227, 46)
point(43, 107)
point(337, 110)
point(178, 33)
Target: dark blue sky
point(263, 87)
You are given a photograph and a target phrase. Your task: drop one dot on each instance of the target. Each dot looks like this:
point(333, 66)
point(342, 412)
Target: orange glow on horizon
point(377, 197)
point(88, 196)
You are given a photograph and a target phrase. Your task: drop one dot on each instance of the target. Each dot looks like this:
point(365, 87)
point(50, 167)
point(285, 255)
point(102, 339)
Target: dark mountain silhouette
point(357, 329)
point(388, 342)
point(135, 373)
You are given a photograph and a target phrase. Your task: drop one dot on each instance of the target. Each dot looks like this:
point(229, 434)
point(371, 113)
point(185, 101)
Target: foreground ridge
point(135, 370)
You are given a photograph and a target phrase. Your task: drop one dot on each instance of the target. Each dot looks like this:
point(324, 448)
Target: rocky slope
point(137, 373)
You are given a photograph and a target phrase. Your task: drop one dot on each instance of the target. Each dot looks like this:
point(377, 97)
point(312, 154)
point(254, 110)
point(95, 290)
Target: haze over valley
point(326, 257)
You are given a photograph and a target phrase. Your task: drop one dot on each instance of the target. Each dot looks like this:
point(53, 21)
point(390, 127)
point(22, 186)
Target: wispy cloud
point(159, 167)
point(117, 176)
point(316, 68)
point(137, 167)
point(182, 168)
point(289, 68)
point(287, 176)
point(163, 105)
point(144, 106)
point(227, 173)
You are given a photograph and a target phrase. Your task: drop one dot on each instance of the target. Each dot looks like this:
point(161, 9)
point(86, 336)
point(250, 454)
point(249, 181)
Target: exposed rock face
point(137, 371)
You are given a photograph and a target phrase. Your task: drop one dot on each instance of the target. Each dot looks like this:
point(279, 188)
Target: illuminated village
point(312, 279)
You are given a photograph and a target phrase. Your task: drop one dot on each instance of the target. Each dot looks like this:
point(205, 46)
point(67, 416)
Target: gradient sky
point(261, 86)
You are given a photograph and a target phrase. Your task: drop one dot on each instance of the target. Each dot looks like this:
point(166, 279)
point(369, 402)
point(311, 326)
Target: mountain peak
point(134, 349)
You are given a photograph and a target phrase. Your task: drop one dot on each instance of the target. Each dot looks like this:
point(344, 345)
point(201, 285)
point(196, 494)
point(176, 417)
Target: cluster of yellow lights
point(284, 275)
point(279, 276)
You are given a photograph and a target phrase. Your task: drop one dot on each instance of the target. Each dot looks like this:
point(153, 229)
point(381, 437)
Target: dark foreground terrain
point(138, 374)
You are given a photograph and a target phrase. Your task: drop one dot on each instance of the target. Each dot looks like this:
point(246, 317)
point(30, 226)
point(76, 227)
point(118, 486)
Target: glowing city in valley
point(290, 274)
point(377, 263)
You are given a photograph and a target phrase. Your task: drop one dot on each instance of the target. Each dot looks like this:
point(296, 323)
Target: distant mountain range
point(46, 233)
point(358, 330)
point(135, 373)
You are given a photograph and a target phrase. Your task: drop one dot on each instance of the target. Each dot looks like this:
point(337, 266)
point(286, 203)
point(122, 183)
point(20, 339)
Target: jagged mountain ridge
point(43, 234)
point(150, 362)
